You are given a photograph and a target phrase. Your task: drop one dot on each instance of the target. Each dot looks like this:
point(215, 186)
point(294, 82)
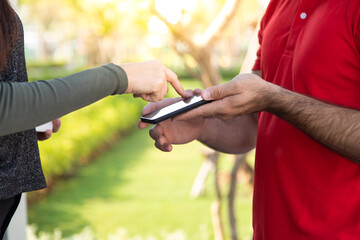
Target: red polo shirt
point(303, 190)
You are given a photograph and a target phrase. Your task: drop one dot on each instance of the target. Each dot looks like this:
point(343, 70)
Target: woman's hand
point(41, 136)
point(148, 80)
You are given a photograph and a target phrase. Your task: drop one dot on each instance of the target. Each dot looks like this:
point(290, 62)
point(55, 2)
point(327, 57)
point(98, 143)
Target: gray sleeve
point(26, 105)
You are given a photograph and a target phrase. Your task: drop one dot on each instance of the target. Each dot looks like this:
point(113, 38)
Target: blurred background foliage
point(92, 32)
point(66, 36)
point(87, 133)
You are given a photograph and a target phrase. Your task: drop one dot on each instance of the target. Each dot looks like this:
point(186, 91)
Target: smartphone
point(174, 109)
point(45, 127)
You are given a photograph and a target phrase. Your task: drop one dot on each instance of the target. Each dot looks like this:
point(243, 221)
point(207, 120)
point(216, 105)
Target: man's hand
point(41, 136)
point(171, 132)
point(243, 95)
point(148, 80)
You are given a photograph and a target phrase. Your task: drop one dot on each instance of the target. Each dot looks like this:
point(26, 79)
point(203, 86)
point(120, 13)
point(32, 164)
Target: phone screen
point(174, 109)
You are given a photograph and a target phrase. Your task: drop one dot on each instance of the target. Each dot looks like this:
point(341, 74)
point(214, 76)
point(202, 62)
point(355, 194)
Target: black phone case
point(175, 113)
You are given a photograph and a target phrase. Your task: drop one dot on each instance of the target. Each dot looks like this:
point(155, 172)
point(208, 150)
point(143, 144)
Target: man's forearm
point(337, 128)
point(235, 136)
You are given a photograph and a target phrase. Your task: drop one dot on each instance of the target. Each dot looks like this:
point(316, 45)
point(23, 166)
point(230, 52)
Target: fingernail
point(206, 95)
point(168, 148)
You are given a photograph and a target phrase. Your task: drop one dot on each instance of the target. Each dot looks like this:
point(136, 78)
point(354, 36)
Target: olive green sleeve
point(25, 105)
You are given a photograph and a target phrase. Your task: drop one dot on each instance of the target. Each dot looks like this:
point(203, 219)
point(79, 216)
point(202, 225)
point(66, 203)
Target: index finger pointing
point(172, 78)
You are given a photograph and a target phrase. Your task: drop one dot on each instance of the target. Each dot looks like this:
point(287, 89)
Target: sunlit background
point(98, 31)
point(106, 179)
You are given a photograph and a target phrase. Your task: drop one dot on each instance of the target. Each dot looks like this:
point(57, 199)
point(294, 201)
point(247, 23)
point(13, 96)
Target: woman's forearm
point(25, 105)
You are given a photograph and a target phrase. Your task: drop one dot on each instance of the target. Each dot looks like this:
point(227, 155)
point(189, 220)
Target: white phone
point(174, 109)
point(44, 127)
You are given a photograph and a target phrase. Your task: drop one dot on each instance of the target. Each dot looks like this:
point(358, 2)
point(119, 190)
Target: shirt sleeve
point(25, 105)
point(256, 66)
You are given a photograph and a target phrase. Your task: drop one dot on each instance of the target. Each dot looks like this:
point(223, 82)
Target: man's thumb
point(214, 93)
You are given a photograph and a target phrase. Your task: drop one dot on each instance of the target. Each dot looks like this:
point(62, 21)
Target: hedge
point(86, 131)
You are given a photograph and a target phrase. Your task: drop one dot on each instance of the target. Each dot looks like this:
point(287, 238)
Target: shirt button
point(303, 15)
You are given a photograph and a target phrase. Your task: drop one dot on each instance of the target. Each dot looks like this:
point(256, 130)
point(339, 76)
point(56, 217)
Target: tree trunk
point(209, 74)
point(232, 194)
point(216, 205)
point(201, 51)
point(199, 183)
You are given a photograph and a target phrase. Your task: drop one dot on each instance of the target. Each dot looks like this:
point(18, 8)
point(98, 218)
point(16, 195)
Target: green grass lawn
point(136, 187)
point(140, 189)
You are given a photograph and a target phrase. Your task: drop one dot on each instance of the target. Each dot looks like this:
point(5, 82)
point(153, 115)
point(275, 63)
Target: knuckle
point(226, 111)
point(156, 98)
point(237, 85)
point(215, 93)
point(158, 65)
point(225, 117)
point(160, 85)
point(158, 146)
point(153, 133)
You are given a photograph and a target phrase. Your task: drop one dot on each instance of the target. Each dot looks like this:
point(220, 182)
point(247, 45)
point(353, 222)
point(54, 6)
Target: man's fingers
point(190, 115)
point(219, 92)
point(167, 147)
point(205, 111)
point(158, 105)
point(162, 140)
point(143, 125)
point(156, 133)
point(172, 78)
point(153, 106)
point(164, 148)
point(157, 145)
point(150, 107)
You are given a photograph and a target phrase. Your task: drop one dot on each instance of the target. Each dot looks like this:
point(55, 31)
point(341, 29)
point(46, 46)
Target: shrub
point(88, 234)
point(87, 131)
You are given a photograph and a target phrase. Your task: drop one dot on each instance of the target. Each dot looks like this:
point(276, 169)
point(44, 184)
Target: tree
point(201, 47)
point(104, 31)
point(96, 31)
